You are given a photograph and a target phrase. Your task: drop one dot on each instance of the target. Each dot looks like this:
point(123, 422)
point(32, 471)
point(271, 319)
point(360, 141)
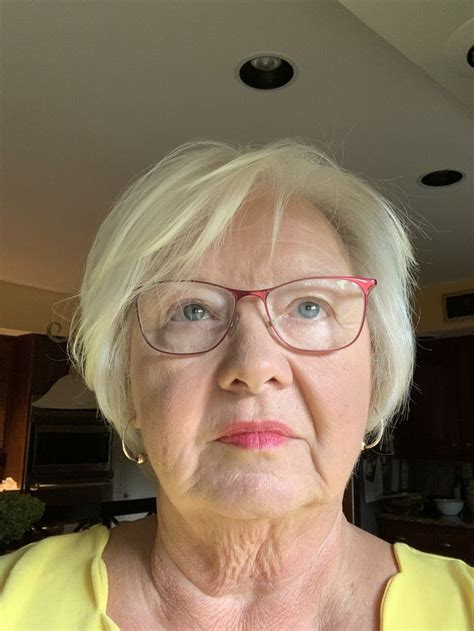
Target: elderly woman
point(245, 325)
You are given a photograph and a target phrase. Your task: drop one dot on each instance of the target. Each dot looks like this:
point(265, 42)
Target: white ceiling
point(434, 34)
point(94, 92)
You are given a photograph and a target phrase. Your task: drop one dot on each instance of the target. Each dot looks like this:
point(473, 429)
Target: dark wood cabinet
point(442, 539)
point(465, 391)
point(33, 368)
point(440, 422)
point(7, 367)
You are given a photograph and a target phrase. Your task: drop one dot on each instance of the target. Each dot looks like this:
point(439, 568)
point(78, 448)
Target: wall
point(29, 309)
point(429, 307)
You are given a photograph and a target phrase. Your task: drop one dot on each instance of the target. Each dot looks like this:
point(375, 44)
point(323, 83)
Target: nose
point(254, 359)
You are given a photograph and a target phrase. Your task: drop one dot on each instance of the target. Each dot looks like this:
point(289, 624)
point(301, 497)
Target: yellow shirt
point(61, 584)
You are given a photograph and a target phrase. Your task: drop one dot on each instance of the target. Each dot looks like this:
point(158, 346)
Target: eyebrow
point(309, 274)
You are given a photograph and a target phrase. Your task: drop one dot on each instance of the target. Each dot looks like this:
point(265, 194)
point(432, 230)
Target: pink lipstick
point(255, 440)
point(256, 434)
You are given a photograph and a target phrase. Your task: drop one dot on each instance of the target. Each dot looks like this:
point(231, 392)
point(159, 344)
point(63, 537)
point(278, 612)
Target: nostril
point(239, 384)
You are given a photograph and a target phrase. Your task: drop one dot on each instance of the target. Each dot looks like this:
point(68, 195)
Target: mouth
point(256, 434)
point(255, 440)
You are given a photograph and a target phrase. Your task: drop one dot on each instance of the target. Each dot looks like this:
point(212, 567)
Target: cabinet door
point(465, 378)
point(455, 542)
point(432, 427)
point(7, 367)
point(50, 363)
point(39, 363)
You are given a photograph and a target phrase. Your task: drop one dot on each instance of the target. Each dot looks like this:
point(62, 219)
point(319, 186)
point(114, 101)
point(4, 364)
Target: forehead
point(307, 245)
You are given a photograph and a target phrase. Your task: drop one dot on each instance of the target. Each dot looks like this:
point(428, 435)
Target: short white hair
point(171, 216)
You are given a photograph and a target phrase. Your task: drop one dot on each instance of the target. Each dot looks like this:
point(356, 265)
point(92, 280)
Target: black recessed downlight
point(470, 56)
point(441, 178)
point(266, 72)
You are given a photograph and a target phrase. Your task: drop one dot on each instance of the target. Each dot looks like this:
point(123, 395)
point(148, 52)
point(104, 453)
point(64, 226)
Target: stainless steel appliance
point(70, 456)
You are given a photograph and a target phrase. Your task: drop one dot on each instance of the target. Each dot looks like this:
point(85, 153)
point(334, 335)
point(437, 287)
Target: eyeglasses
point(323, 313)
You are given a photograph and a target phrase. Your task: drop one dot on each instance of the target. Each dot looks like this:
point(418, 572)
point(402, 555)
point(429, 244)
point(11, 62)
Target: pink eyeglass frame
point(366, 284)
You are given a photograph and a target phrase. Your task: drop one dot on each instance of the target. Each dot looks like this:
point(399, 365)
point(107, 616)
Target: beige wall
point(30, 310)
point(429, 307)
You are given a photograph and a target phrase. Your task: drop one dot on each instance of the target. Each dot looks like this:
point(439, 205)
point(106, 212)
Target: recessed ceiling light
point(266, 64)
point(470, 56)
point(460, 50)
point(266, 72)
point(446, 177)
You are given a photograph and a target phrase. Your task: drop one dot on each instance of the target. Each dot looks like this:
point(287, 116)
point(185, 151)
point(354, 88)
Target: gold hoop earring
point(141, 458)
point(366, 447)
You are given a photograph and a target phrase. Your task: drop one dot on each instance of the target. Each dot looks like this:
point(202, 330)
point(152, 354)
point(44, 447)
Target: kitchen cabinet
point(436, 538)
point(440, 420)
point(465, 374)
point(37, 364)
point(7, 368)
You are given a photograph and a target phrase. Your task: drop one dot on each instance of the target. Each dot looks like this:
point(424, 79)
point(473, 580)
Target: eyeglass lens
point(318, 314)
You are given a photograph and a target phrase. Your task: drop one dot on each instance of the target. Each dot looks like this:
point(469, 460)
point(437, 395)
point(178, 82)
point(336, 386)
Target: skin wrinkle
point(249, 623)
point(312, 406)
point(253, 540)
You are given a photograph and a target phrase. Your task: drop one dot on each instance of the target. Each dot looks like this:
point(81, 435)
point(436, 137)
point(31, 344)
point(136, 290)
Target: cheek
point(354, 381)
point(166, 395)
point(353, 389)
point(338, 398)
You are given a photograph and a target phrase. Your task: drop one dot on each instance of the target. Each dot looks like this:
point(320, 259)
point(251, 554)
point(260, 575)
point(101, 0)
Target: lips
point(257, 427)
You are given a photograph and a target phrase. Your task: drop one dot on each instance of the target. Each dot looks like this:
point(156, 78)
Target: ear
point(132, 409)
point(134, 422)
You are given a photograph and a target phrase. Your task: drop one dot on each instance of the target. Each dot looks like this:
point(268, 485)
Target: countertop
point(456, 521)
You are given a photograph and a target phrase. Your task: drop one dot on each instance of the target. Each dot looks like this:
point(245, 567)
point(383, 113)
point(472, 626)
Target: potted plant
point(18, 513)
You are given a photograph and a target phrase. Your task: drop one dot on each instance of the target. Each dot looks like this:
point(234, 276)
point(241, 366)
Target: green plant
point(18, 512)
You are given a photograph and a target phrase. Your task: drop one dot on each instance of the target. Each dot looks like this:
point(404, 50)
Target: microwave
point(69, 445)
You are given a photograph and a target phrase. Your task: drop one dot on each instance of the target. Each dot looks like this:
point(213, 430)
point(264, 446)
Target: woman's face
point(183, 403)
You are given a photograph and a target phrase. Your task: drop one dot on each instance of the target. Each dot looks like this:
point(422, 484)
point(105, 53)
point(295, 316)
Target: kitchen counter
point(456, 521)
point(431, 532)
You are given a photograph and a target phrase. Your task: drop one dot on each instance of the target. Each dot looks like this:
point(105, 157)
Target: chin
point(256, 496)
point(250, 510)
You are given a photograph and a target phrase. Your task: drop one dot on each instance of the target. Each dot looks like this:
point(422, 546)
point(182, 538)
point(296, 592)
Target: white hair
point(166, 221)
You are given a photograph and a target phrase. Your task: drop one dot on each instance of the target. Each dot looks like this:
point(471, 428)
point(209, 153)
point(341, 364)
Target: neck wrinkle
point(297, 571)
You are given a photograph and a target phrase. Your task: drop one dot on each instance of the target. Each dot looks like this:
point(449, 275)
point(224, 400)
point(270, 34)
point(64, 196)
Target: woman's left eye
point(310, 310)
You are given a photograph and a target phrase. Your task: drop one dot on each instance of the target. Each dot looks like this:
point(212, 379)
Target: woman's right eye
point(191, 312)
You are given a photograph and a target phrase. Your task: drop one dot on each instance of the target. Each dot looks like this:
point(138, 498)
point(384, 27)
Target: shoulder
point(126, 556)
point(428, 592)
point(47, 582)
point(416, 565)
point(131, 542)
point(63, 553)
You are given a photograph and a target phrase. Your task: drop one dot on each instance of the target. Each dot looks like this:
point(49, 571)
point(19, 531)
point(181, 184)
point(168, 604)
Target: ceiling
point(96, 92)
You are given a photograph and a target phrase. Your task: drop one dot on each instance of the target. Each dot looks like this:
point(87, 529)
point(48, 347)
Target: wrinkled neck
point(224, 567)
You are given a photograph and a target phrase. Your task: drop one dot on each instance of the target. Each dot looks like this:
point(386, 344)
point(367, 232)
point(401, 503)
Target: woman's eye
point(311, 310)
point(191, 312)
